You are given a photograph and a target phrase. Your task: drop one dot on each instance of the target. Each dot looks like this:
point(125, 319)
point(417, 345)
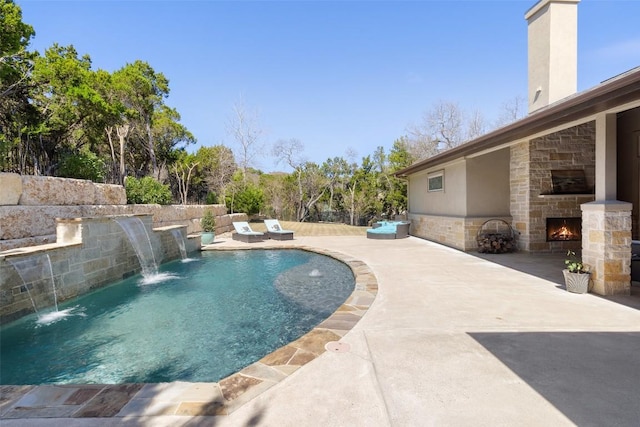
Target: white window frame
point(433, 176)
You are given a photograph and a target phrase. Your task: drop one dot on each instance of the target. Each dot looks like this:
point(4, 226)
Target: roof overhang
point(614, 95)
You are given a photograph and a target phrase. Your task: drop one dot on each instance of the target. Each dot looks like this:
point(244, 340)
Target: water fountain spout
point(139, 238)
point(34, 269)
point(180, 241)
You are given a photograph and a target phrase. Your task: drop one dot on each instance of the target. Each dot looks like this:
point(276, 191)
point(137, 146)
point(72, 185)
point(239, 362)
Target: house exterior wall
point(628, 179)
point(451, 201)
point(519, 193)
point(531, 185)
point(455, 231)
point(475, 190)
point(488, 184)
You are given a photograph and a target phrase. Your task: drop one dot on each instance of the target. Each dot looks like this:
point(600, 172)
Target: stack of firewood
point(495, 243)
point(496, 236)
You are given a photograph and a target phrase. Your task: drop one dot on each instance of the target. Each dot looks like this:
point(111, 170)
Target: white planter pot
point(576, 282)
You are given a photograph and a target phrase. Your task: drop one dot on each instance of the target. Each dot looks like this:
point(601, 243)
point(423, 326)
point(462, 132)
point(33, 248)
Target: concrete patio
point(452, 339)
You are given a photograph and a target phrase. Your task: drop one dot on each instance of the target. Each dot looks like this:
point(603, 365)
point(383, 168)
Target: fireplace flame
point(563, 233)
point(563, 229)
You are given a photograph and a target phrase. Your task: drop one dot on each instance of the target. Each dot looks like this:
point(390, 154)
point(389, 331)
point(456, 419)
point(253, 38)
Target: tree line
point(60, 117)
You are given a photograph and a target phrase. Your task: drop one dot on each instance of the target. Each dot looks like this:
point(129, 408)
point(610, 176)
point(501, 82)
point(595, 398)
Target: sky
point(338, 76)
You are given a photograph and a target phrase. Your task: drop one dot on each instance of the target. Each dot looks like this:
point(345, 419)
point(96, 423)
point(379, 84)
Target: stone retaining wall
point(27, 190)
point(30, 205)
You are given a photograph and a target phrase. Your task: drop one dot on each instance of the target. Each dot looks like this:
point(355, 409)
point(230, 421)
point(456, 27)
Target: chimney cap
point(542, 3)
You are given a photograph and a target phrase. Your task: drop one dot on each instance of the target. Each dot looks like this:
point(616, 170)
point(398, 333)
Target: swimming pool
point(210, 318)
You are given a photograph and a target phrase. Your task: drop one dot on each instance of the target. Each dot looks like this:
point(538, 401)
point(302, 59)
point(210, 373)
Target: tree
point(512, 110)
point(71, 110)
point(16, 63)
point(245, 130)
point(141, 90)
point(169, 136)
point(290, 152)
point(15, 36)
point(217, 166)
point(399, 158)
point(183, 171)
point(443, 126)
point(336, 171)
point(278, 196)
point(476, 126)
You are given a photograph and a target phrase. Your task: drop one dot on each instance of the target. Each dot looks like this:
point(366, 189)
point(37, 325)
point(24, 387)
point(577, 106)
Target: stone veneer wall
point(605, 246)
point(30, 205)
point(90, 253)
point(530, 176)
point(455, 231)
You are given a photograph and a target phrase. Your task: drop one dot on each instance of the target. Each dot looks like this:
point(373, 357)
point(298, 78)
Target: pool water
point(206, 320)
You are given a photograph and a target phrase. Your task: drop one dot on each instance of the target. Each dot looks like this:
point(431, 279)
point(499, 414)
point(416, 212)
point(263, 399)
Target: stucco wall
point(488, 184)
point(451, 201)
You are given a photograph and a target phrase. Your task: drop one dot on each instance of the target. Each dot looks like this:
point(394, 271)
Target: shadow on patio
point(593, 378)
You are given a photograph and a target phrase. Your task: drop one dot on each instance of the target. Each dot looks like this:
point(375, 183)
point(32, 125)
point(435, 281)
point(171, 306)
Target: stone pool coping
point(199, 399)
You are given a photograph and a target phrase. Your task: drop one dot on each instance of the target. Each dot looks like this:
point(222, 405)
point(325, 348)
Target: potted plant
point(208, 224)
point(576, 275)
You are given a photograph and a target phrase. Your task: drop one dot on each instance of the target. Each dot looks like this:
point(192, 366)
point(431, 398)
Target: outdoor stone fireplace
point(564, 229)
point(551, 177)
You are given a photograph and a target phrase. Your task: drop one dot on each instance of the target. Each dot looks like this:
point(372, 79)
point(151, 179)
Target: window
point(436, 181)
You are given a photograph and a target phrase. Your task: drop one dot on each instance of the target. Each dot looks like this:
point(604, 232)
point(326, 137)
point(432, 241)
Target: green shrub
point(250, 200)
point(82, 166)
point(211, 199)
point(147, 190)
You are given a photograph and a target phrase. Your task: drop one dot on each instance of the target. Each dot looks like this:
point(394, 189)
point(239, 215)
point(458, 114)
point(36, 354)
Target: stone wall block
point(53, 191)
point(10, 188)
point(109, 194)
point(24, 221)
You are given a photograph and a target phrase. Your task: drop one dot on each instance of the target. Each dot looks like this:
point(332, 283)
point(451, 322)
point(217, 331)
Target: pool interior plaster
point(198, 399)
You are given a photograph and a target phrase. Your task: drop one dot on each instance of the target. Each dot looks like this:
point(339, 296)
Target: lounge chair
point(389, 230)
point(244, 233)
point(275, 231)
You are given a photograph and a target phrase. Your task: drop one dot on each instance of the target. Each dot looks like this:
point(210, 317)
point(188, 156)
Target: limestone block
point(25, 221)
point(109, 194)
point(52, 191)
point(10, 188)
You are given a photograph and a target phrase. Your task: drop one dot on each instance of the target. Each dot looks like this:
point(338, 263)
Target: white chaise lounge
point(244, 233)
point(275, 231)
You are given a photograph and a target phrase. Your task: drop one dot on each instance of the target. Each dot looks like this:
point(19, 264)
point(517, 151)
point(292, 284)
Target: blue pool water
point(206, 320)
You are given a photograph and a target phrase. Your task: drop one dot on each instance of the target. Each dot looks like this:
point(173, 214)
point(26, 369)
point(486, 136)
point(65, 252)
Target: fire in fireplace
point(564, 229)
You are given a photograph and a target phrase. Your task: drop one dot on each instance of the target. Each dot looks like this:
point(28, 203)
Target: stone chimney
point(553, 51)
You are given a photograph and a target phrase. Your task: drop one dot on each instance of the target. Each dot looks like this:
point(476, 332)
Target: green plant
point(146, 190)
point(84, 165)
point(575, 264)
point(208, 222)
